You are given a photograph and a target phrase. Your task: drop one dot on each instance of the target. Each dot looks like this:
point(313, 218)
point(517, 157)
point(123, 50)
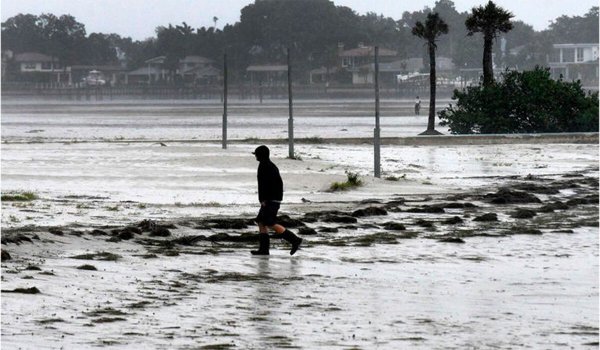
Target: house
point(192, 69)
point(321, 75)
point(39, 66)
point(145, 75)
point(575, 62)
point(353, 59)
point(201, 75)
point(153, 72)
point(269, 74)
point(389, 72)
point(198, 70)
point(354, 63)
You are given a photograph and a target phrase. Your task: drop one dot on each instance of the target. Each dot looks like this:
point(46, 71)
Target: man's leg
point(289, 236)
point(263, 241)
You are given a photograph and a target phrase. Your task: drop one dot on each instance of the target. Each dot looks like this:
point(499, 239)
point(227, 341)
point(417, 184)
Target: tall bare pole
point(224, 101)
point(376, 132)
point(291, 119)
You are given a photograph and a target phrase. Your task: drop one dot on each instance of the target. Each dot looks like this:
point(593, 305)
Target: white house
point(575, 62)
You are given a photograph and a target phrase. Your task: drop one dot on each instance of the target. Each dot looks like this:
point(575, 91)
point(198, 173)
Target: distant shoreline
point(440, 140)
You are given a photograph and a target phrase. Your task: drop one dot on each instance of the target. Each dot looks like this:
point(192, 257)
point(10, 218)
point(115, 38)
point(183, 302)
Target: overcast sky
point(139, 18)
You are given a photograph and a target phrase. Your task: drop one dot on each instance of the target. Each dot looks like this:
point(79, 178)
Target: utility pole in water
point(291, 119)
point(376, 132)
point(224, 101)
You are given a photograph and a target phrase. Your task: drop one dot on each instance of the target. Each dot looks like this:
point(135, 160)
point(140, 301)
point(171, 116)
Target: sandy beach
point(457, 245)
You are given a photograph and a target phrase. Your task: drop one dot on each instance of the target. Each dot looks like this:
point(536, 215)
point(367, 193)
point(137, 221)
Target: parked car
point(94, 78)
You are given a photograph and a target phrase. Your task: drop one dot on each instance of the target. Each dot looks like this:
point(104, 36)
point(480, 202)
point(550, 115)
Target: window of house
point(555, 56)
point(580, 54)
point(345, 61)
point(29, 66)
point(568, 55)
point(46, 65)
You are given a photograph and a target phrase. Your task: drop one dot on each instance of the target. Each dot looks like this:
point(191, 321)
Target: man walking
point(270, 194)
point(417, 105)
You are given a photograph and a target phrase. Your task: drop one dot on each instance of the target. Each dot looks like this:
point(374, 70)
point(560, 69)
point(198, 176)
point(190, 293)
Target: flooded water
point(454, 263)
point(186, 120)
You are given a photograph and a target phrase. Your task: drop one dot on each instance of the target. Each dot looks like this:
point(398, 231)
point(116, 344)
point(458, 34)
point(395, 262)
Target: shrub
point(19, 196)
point(523, 102)
point(352, 182)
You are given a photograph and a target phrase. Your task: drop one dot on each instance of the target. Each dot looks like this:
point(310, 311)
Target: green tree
point(63, 37)
point(489, 20)
point(174, 42)
point(99, 50)
point(523, 102)
point(22, 33)
point(576, 29)
point(433, 27)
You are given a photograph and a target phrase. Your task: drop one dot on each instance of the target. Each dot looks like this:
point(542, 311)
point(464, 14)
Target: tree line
point(311, 28)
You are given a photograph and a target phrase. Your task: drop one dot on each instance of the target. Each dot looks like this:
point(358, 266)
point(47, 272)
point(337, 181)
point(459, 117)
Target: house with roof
point(198, 70)
point(38, 66)
point(575, 62)
point(191, 69)
point(153, 71)
point(357, 61)
point(268, 74)
point(355, 58)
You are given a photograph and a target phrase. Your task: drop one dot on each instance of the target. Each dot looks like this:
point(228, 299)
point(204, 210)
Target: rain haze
point(138, 19)
point(307, 178)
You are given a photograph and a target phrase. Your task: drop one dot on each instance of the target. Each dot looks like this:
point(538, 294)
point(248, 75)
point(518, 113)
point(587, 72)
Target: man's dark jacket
point(270, 185)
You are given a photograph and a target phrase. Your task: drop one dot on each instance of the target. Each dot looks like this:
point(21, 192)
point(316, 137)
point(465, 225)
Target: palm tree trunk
point(488, 69)
point(432, 84)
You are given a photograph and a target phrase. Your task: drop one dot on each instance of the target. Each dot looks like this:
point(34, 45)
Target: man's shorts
point(267, 215)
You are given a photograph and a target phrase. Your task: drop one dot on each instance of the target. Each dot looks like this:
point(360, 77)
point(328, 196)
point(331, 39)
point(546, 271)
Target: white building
point(575, 62)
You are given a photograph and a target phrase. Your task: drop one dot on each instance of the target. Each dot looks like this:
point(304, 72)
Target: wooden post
point(291, 119)
point(224, 101)
point(376, 133)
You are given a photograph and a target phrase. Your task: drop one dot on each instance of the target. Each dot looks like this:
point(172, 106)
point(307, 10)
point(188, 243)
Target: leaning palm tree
point(434, 27)
point(488, 20)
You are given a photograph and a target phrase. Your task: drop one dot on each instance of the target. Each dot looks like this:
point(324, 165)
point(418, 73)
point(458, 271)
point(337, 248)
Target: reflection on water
point(273, 294)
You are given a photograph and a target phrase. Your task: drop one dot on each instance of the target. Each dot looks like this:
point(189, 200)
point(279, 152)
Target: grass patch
point(295, 157)
point(115, 208)
point(395, 178)
point(19, 196)
point(353, 181)
point(313, 139)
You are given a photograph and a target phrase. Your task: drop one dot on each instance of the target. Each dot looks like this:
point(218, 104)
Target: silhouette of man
point(270, 194)
point(417, 105)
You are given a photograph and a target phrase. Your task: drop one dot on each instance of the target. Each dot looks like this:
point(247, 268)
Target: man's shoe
point(263, 245)
point(294, 240)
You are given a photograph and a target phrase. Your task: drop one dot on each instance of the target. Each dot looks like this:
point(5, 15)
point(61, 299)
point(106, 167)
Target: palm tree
point(215, 19)
point(434, 27)
point(488, 20)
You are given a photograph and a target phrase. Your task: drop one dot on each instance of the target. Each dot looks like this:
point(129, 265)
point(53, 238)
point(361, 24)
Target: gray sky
point(139, 18)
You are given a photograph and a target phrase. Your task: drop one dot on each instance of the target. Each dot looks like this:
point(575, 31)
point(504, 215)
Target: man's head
point(261, 153)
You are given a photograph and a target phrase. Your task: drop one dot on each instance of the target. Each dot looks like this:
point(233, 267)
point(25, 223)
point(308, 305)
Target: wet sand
point(454, 262)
